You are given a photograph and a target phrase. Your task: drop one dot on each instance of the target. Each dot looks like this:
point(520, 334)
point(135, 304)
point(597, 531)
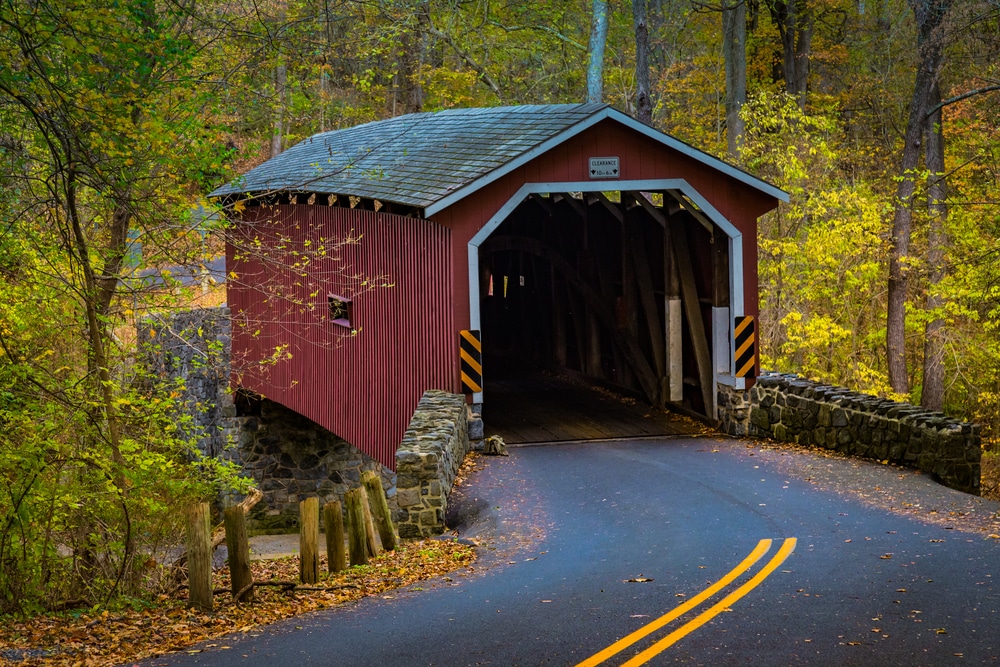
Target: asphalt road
point(566, 527)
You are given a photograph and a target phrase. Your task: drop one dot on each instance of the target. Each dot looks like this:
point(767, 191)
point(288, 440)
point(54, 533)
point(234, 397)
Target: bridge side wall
point(427, 461)
point(788, 408)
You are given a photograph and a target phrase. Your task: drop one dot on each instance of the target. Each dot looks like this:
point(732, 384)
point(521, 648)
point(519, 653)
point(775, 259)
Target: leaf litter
point(104, 637)
point(890, 487)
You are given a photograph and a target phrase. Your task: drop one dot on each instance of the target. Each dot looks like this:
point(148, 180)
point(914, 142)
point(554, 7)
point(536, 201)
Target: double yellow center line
point(642, 658)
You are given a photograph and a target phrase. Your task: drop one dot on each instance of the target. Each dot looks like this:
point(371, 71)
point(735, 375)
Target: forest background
point(117, 117)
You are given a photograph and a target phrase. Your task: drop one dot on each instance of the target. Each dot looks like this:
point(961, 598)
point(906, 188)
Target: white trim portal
point(736, 288)
point(734, 235)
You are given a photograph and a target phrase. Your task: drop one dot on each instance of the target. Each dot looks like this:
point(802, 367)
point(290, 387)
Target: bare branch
point(467, 59)
point(959, 98)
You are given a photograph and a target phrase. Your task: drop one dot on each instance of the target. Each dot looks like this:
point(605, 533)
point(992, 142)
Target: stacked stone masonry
point(292, 458)
point(187, 353)
point(788, 408)
point(427, 461)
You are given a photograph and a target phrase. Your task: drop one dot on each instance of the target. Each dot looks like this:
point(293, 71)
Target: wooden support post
point(371, 535)
point(336, 552)
point(558, 321)
point(239, 554)
point(692, 310)
point(675, 373)
point(648, 299)
point(579, 307)
point(594, 368)
point(199, 553)
point(380, 509)
point(673, 324)
point(720, 270)
point(309, 541)
point(357, 540)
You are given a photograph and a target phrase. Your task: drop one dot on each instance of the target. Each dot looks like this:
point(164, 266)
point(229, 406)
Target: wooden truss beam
point(692, 311)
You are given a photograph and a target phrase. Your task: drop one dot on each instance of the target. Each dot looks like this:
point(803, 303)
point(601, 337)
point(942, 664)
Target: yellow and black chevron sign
point(746, 346)
point(472, 361)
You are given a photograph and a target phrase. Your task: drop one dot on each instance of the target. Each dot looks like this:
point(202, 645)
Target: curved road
point(593, 543)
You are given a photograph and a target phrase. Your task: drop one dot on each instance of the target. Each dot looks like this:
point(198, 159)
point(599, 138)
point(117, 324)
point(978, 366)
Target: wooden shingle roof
point(429, 159)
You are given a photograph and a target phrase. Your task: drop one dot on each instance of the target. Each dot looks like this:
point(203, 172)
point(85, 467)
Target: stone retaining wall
point(188, 352)
point(293, 458)
point(790, 409)
point(433, 448)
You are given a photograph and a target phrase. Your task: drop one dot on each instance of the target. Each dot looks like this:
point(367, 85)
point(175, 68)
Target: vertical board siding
point(363, 387)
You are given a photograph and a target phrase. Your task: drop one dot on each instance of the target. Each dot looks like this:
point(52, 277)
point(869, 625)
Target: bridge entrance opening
point(625, 290)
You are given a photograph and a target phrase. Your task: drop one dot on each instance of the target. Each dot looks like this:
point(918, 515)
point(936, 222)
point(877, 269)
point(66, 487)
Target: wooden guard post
point(309, 540)
point(380, 509)
point(239, 554)
point(336, 553)
point(356, 537)
point(199, 553)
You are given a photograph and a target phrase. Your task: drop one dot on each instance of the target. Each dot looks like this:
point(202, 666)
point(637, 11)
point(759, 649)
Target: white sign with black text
point(604, 167)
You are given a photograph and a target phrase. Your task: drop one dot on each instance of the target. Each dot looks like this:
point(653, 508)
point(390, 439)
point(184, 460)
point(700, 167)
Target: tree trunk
point(413, 46)
point(598, 40)
point(643, 101)
point(734, 37)
point(932, 394)
point(803, 48)
point(929, 15)
point(280, 85)
point(794, 22)
point(278, 121)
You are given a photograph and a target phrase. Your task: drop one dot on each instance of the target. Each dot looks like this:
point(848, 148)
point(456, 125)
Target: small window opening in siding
point(341, 311)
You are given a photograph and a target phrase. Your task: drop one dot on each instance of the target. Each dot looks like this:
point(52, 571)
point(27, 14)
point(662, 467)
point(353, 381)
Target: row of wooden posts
point(369, 532)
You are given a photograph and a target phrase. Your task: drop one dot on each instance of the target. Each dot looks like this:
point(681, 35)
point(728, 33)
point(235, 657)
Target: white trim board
point(734, 235)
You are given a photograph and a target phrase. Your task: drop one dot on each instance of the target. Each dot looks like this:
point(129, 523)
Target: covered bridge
point(562, 236)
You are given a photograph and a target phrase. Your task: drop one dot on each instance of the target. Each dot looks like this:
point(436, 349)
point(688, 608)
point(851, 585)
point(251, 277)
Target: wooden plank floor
point(532, 407)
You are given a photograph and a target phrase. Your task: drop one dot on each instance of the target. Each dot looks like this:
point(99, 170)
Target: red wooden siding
point(364, 388)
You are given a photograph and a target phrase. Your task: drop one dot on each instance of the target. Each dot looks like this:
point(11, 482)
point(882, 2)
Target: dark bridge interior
point(578, 284)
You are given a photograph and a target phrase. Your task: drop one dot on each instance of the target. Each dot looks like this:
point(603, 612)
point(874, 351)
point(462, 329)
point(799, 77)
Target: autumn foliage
point(118, 117)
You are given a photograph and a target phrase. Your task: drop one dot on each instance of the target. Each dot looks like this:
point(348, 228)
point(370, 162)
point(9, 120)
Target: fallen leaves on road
point(903, 491)
point(103, 637)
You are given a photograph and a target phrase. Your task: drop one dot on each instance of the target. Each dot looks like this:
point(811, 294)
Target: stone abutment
point(788, 408)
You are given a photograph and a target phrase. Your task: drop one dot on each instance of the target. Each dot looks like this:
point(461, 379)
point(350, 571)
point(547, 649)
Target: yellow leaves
point(239, 206)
